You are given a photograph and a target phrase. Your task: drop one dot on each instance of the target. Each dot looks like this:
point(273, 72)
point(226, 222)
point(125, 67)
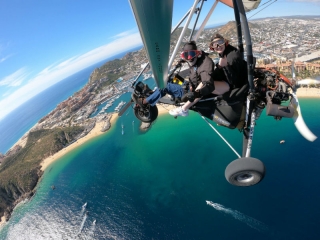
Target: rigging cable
point(238, 155)
point(262, 8)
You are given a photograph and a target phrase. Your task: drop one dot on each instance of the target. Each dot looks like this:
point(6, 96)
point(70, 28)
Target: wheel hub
point(244, 177)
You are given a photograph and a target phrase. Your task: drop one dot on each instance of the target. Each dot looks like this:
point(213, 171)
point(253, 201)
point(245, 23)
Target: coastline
point(96, 131)
point(162, 109)
point(2, 221)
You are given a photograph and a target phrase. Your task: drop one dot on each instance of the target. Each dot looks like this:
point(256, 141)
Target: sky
point(43, 42)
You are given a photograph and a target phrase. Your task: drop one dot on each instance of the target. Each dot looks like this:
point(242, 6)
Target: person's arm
point(235, 69)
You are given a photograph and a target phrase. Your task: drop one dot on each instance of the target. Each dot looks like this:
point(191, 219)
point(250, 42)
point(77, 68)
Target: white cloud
point(124, 34)
point(4, 58)
point(55, 73)
point(15, 79)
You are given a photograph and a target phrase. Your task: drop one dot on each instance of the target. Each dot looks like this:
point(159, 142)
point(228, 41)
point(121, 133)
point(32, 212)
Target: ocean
point(18, 122)
point(168, 183)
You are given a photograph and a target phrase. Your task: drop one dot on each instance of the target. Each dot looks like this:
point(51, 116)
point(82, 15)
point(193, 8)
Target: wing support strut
point(192, 10)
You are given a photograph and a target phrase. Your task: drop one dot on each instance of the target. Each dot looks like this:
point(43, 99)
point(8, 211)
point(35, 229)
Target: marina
point(120, 105)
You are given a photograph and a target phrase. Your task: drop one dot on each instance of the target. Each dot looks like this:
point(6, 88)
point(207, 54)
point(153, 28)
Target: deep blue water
point(155, 184)
point(168, 183)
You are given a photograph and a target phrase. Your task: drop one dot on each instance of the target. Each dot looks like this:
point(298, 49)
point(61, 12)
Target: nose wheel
point(245, 172)
point(146, 114)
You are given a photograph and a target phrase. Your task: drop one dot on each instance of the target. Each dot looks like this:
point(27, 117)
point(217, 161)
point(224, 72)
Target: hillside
point(229, 30)
point(20, 170)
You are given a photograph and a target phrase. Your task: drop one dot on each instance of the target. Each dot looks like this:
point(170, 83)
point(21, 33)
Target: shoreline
point(164, 108)
point(96, 131)
point(2, 221)
point(308, 92)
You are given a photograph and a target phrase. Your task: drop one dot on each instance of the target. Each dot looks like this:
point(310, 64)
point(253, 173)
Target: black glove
point(206, 89)
point(191, 96)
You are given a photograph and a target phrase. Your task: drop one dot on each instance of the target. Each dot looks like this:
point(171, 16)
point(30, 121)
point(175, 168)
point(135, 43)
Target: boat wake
point(82, 223)
point(251, 222)
point(83, 208)
point(91, 230)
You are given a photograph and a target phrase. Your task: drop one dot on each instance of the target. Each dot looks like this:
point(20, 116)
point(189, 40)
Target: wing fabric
point(248, 4)
point(154, 19)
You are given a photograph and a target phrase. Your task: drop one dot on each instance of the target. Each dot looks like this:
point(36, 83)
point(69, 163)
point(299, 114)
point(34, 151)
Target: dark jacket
point(202, 71)
point(235, 73)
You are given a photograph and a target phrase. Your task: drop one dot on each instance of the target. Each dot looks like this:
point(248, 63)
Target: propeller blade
point(299, 122)
point(124, 109)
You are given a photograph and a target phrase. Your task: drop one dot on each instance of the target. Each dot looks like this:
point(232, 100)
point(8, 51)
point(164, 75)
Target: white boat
point(117, 109)
point(146, 76)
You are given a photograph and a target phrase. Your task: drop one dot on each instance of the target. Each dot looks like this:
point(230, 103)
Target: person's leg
point(174, 90)
point(221, 87)
point(153, 98)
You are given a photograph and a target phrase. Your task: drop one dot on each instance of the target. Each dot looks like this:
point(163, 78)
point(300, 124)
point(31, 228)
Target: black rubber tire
point(146, 114)
point(245, 172)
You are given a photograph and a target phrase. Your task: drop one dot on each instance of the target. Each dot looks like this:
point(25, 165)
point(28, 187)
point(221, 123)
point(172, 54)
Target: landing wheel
point(245, 172)
point(146, 114)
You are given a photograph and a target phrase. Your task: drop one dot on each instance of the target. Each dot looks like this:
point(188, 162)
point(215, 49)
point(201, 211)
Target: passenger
point(230, 73)
point(201, 78)
point(231, 62)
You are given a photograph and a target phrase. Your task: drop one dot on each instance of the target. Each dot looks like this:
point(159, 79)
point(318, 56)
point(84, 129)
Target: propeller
point(124, 109)
point(297, 117)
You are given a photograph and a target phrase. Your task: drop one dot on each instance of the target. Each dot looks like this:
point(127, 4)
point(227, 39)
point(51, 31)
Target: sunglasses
point(218, 43)
point(189, 55)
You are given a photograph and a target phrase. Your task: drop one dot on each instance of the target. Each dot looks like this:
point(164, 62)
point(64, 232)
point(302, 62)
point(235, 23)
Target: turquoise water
point(155, 184)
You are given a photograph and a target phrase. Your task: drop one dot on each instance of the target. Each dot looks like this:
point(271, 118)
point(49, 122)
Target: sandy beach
point(308, 92)
point(164, 108)
point(96, 131)
point(2, 221)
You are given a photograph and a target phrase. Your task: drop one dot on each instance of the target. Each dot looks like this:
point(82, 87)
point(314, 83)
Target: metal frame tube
point(247, 37)
point(182, 19)
point(238, 26)
point(204, 23)
point(252, 125)
point(196, 21)
point(182, 34)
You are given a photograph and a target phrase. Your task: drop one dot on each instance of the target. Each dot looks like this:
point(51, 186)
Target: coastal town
point(278, 43)
point(293, 45)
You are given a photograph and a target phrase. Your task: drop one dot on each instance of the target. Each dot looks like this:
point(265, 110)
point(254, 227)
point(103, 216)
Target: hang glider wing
point(154, 19)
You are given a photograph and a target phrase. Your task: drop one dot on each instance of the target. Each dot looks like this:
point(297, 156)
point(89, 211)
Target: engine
point(272, 90)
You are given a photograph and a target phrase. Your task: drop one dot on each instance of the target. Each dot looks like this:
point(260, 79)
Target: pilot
point(204, 78)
